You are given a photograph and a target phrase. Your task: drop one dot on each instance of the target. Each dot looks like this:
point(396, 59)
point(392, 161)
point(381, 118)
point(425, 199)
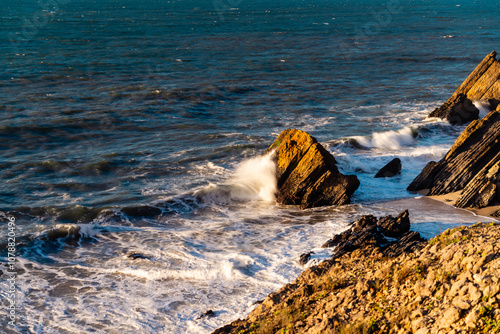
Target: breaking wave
point(388, 139)
point(253, 179)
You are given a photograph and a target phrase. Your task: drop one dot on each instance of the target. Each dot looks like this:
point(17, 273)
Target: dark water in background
point(106, 105)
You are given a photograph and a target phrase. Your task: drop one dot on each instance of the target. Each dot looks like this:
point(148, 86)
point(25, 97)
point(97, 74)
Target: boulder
point(307, 173)
point(393, 168)
point(472, 166)
point(483, 84)
point(369, 232)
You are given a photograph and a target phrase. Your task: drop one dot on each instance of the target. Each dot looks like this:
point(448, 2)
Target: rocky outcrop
point(483, 84)
point(307, 173)
point(472, 166)
point(451, 285)
point(393, 168)
point(368, 232)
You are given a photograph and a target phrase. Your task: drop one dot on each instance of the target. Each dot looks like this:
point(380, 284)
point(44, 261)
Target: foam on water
point(392, 140)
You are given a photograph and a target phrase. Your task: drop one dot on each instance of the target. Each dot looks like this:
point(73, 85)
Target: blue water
point(116, 115)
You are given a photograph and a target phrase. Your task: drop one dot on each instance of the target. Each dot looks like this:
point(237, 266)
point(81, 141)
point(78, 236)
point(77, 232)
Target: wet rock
point(144, 211)
point(207, 314)
point(395, 227)
point(368, 232)
point(305, 257)
point(472, 166)
point(393, 168)
point(482, 84)
point(307, 173)
point(136, 256)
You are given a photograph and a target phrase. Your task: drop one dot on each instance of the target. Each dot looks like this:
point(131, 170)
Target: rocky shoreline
point(449, 284)
point(383, 277)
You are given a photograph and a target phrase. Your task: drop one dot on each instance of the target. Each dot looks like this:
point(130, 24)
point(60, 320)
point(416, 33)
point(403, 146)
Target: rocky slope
point(471, 166)
point(307, 173)
point(483, 84)
point(447, 285)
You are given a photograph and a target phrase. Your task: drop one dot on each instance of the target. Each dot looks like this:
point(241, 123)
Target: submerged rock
point(472, 166)
point(393, 168)
point(307, 173)
point(483, 84)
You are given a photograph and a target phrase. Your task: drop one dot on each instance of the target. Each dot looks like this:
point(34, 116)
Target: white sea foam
point(388, 139)
point(483, 106)
point(253, 179)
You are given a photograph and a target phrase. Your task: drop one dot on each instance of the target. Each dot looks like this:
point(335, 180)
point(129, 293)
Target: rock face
point(472, 166)
point(483, 84)
point(393, 168)
point(307, 173)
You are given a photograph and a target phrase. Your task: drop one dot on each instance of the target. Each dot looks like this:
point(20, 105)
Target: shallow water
point(141, 126)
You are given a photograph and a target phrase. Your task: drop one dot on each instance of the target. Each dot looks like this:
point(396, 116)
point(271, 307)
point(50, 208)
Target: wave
point(387, 139)
point(253, 179)
point(483, 106)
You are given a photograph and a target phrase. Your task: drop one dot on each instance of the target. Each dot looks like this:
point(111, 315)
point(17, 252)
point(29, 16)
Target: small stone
point(424, 330)
point(472, 318)
point(456, 287)
point(461, 304)
point(450, 316)
point(491, 290)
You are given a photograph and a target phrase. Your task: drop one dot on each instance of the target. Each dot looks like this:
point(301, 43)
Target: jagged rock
point(393, 168)
point(307, 173)
point(410, 242)
point(471, 165)
point(395, 227)
point(482, 84)
point(368, 232)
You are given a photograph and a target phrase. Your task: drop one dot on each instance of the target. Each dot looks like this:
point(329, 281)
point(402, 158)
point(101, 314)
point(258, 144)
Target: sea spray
point(483, 106)
point(253, 179)
point(388, 139)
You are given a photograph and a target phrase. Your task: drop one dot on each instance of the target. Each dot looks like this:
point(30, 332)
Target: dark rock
point(395, 227)
point(410, 242)
point(144, 211)
point(369, 232)
point(305, 257)
point(472, 166)
point(393, 168)
point(207, 314)
point(307, 173)
point(482, 84)
point(457, 110)
point(135, 256)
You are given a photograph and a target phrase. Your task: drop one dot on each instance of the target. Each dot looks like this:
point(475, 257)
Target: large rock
point(307, 173)
point(483, 84)
point(368, 232)
point(472, 166)
point(393, 168)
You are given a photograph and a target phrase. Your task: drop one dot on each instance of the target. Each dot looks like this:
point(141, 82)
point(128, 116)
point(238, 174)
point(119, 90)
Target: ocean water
point(132, 134)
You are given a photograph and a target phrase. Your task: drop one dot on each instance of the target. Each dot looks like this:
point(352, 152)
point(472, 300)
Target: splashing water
point(253, 179)
point(388, 139)
point(483, 106)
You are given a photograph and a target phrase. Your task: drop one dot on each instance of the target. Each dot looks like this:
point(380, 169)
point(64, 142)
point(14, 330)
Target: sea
point(134, 189)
